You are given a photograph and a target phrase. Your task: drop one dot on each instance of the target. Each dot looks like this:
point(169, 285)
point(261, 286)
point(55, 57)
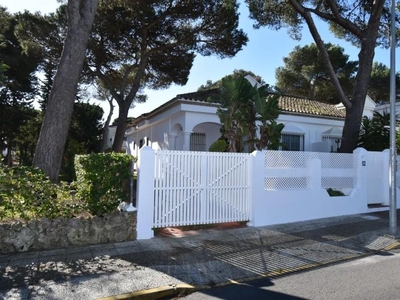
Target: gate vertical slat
point(185, 196)
point(168, 189)
point(190, 184)
point(232, 208)
point(160, 179)
point(219, 202)
point(210, 175)
point(156, 189)
point(237, 186)
point(160, 194)
point(177, 198)
point(222, 185)
point(193, 206)
point(163, 192)
point(177, 193)
point(227, 191)
point(215, 187)
point(180, 195)
point(214, 166)
point(199, 181)
point(174, 215)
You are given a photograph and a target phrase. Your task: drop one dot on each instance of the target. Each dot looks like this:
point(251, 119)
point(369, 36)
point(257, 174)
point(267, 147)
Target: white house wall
point(385, 108)
point(369, 107)
point(194, 118)
point(311, 127)
point(209, 110)
point(161, 116)
point(169, 133)
point(167, 130)
point(212, 131)
point(171, 129)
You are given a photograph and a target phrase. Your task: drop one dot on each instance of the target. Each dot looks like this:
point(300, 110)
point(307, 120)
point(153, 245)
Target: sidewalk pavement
point(167, 265)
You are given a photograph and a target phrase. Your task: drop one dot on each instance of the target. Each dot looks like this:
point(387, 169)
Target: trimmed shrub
point(102, 180)
point(26, 193)
point(218, 146)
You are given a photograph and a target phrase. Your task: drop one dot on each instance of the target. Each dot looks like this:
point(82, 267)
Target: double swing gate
point(192, 188)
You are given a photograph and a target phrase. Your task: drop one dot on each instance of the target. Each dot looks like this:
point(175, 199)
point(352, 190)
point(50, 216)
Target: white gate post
point(361, 161)
point(257, 176)
point(145, 193)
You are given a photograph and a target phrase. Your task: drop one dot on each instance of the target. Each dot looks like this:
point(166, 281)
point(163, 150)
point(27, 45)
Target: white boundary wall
point(178, 188)
point(310, 201)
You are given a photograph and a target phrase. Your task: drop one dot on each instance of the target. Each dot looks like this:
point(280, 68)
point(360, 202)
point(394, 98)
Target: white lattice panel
point(285, 183)
point(299, 159)
point(338, 182)
point(289, 170)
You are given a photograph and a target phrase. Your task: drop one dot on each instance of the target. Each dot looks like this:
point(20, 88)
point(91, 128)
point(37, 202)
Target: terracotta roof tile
point(304, 106)
point(199, 96)
point(287, 104)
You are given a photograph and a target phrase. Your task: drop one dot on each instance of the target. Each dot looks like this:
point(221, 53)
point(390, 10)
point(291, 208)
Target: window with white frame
point(197, 141)
point(292, 142)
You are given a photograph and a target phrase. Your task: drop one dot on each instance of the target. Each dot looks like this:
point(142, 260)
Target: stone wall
point(62, 233)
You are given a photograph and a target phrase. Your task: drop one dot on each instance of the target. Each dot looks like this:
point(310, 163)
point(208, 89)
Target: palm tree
point(244, 110)
point(374, 132)
point(269, 129)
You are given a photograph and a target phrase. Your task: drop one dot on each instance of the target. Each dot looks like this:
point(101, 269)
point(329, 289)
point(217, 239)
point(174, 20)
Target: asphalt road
point(371, 278)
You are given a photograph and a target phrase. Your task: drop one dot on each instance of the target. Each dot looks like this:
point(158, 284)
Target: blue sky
point(262, 55)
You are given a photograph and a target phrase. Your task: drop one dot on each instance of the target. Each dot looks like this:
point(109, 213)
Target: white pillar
point(145, 193)
point(172, 141)
point(186, 140)
point(130, 145)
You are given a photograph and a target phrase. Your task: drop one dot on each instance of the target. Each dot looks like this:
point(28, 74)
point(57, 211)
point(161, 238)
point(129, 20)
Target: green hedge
point(102, 180)
point(26, 193)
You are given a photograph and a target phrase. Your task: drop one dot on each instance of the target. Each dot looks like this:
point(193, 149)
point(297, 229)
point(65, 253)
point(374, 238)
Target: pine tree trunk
point(121, 127)
point(351, 129)
point(106, 127)
point(54, 131)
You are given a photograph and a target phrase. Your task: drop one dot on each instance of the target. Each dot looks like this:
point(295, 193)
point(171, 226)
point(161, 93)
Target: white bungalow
point(189, 122)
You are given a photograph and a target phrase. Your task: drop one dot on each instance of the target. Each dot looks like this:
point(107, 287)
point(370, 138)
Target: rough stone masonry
point(48, 234)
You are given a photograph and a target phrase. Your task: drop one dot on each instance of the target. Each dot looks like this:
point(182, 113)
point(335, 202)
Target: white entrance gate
point(193, 188)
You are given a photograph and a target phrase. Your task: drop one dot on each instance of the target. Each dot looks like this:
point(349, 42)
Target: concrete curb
point(157, 293)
